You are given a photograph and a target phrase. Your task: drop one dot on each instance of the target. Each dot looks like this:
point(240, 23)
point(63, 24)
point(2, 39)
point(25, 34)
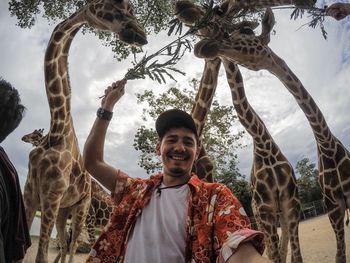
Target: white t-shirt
point(159, 234)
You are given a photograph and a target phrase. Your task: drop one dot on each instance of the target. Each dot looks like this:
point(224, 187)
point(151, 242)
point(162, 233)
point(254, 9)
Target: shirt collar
point(194, 181)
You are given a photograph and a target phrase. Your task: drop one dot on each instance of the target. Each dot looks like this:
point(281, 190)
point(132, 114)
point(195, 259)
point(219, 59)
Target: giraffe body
point(275, 195)
point(57, 180)
point(101, 205)
point(100, 210)
point(333, 157)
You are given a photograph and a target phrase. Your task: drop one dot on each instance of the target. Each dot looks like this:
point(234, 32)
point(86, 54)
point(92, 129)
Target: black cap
point(174, 118)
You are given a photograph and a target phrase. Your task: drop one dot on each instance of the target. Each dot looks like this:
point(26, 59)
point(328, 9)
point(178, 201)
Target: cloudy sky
point(323, 66)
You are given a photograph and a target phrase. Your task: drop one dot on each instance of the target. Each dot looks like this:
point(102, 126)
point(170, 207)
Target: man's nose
point(179, 146)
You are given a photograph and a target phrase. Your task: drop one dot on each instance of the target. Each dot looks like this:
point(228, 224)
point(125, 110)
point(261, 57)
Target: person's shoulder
point(218, 187)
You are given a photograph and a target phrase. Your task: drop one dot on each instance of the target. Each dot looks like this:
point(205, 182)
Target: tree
point(220, 141)
point(154, 15)
point(309, 189)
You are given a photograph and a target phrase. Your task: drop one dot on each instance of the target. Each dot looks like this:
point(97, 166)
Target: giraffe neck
point(205, 94)
point(314, 115)
point(57, 76)
point(246, 114)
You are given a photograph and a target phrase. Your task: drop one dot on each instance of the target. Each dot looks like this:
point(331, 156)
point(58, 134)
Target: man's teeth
point(178, 158)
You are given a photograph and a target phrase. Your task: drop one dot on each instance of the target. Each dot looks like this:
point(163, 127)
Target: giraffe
point(100, 210)
point(34, 137)
point(275, 195)
point(57, 179)
point(101, 205)
point(333, 157)
point(187, 13)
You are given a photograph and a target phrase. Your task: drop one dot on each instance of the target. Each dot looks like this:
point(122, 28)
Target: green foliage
point(220, 142)
point(154, 15)
point(157, 70)
point(309, 189)
point(317, 16)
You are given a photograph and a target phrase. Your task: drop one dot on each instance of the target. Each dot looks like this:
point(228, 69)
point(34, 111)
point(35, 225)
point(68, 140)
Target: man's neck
point(170, 180)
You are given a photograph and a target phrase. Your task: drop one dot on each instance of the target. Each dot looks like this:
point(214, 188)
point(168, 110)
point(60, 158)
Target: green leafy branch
point(317, 16)
point(175, 50)
point(155, 69)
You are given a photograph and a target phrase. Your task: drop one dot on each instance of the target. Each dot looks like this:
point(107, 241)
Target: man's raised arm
point(94, 145)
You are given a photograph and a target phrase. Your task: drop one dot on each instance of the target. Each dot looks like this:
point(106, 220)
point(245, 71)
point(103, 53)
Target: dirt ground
point(316, 237)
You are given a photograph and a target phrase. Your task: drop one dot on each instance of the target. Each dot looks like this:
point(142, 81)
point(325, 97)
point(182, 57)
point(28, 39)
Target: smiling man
point(171, 216)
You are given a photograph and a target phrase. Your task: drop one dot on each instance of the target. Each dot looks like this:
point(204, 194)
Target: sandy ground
point(316, 237)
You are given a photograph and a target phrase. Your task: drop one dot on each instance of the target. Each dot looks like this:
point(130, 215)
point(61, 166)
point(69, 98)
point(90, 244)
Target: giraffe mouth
point(130, 36)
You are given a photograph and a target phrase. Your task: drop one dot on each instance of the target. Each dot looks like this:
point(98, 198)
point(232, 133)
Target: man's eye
point(189, 143)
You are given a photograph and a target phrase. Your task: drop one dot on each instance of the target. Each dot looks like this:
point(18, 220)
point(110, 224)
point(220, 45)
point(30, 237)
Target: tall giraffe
point(275, 195)
point(101, 205)
point(34, 138)
point(333, 157)
point(275, 192)
point(189, 14)
point(57, 179)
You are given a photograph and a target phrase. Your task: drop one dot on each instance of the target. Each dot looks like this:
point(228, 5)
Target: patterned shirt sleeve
point(232, 226)
point(123, 183)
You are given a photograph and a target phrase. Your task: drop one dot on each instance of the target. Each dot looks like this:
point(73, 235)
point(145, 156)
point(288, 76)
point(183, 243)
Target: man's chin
point(177, 172)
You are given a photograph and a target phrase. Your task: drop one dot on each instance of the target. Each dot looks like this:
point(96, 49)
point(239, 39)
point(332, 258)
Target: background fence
point(308, 210)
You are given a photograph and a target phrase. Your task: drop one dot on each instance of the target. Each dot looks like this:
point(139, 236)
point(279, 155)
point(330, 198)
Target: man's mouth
point(178, 157)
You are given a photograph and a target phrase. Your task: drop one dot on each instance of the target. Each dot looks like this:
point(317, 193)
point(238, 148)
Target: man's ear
point(158, 148)
point(199, 147)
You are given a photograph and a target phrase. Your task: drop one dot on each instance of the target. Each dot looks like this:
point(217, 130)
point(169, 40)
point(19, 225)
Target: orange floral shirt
point(216, 221)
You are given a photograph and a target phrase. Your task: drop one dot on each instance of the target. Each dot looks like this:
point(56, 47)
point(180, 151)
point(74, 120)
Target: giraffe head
point(116, 16)
point(34, 138)
point(219, 26)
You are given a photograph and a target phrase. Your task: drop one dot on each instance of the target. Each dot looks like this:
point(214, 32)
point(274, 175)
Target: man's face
point(178, 150)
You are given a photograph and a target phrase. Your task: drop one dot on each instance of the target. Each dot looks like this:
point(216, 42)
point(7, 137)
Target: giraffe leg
point(284, 239)
point(290, 217)
point(267, 223)
point(90, 224)
point(31, 200)
point(269, 228)
point(78, 220)
point(49, 211)
point(61, 223)
point(336, 216)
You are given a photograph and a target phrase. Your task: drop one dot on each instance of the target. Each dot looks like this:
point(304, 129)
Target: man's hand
point(338, 10)
point(112, 94)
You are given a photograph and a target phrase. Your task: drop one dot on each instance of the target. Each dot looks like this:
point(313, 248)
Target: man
point(14, 234)
point(338, 10)
point(172, 216)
